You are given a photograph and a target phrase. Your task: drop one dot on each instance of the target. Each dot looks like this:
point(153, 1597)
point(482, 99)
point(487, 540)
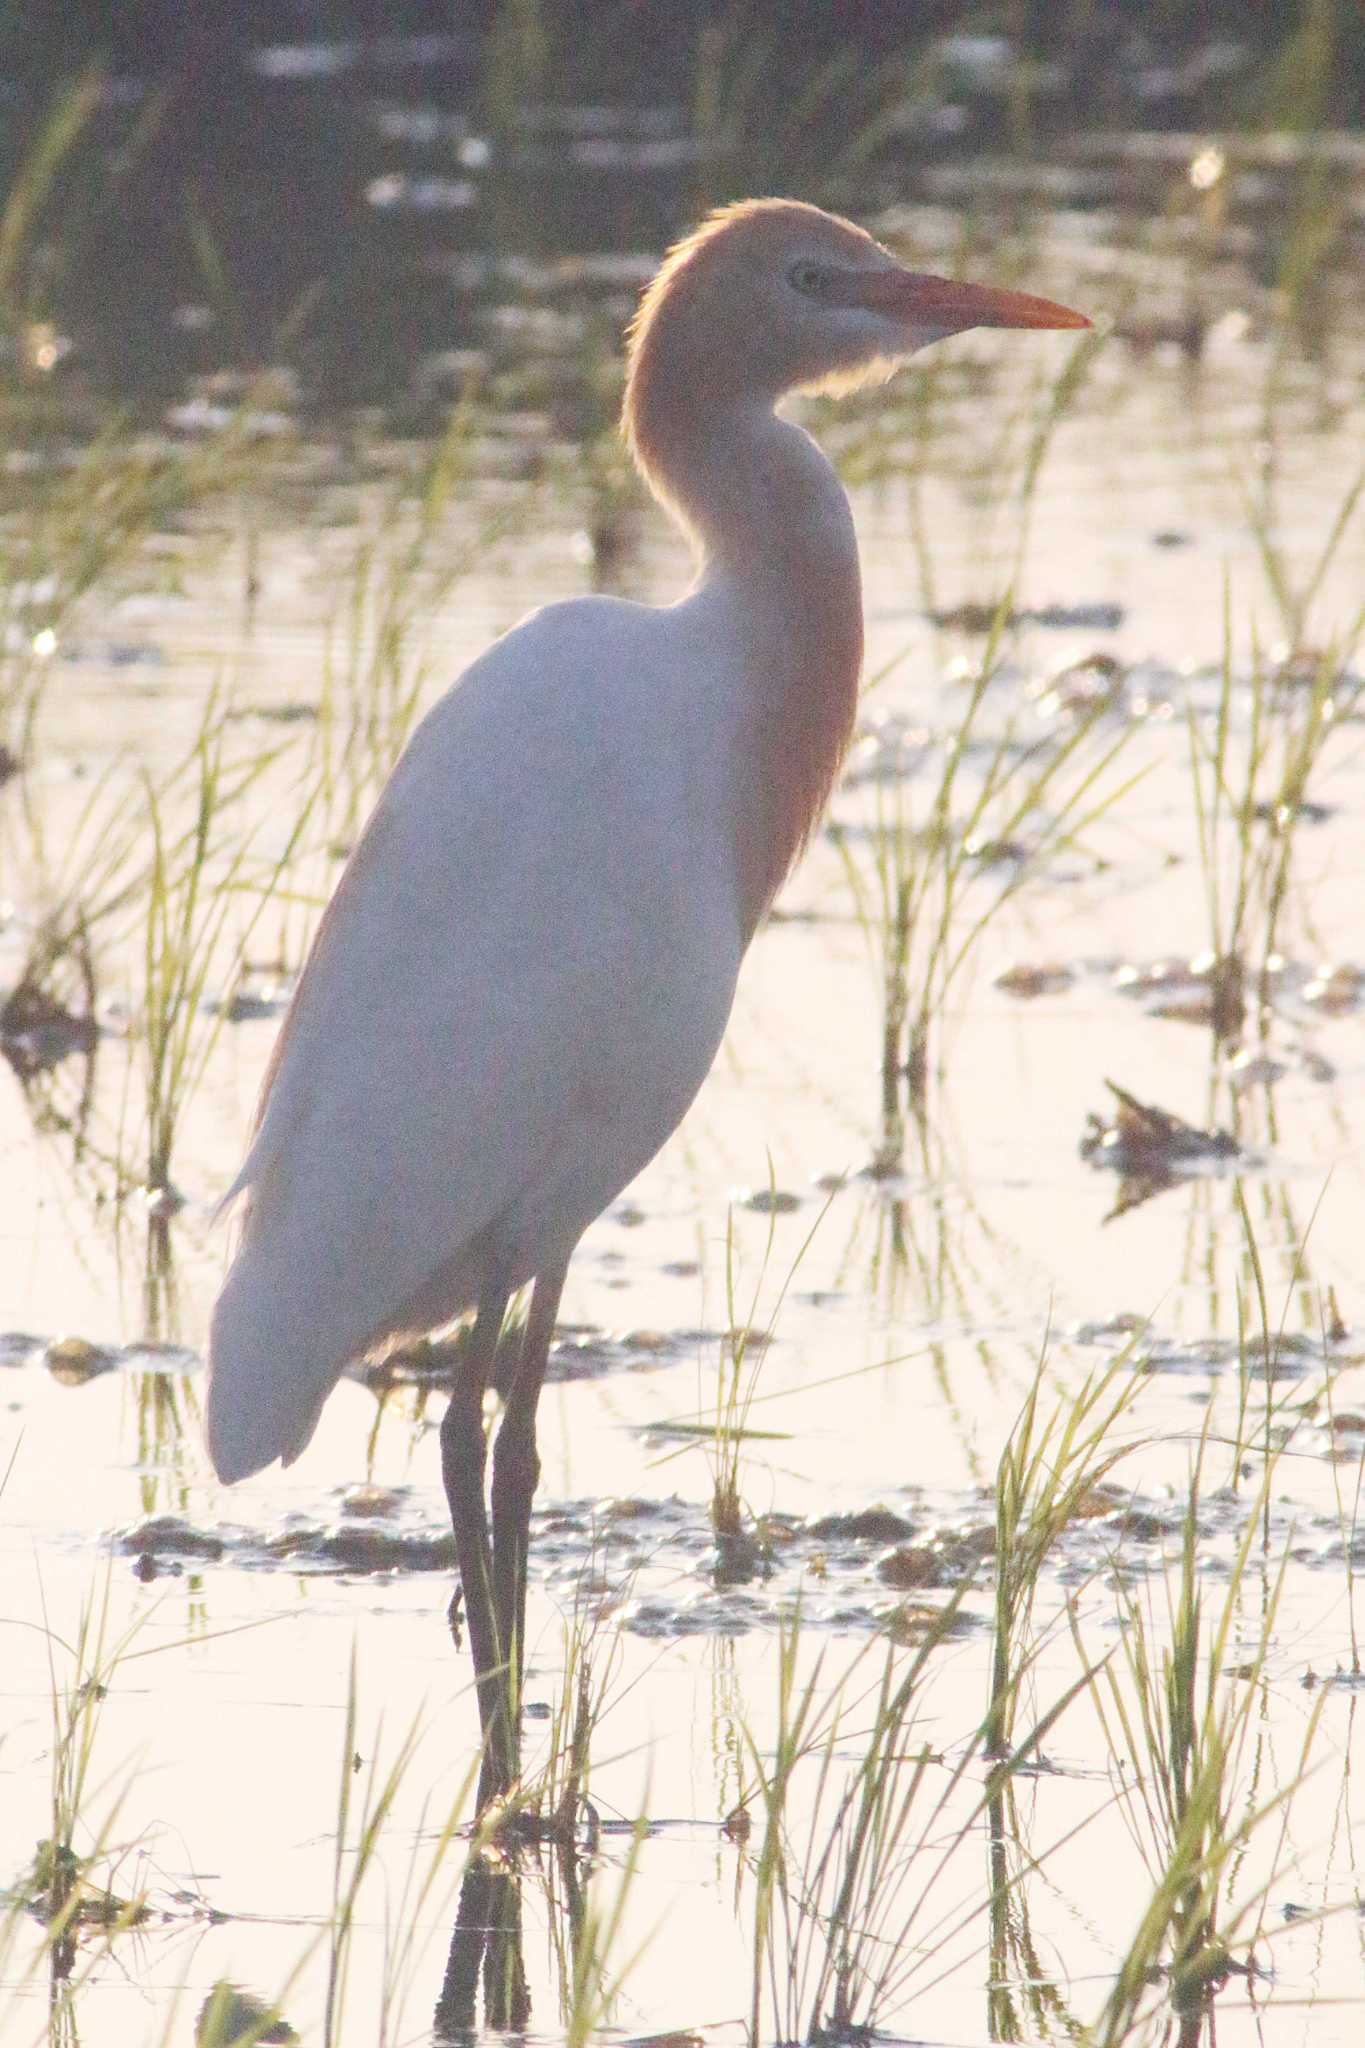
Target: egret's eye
point(810, 278)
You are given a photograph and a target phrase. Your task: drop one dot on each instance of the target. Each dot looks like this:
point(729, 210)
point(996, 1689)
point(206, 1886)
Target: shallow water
point(908, 1305)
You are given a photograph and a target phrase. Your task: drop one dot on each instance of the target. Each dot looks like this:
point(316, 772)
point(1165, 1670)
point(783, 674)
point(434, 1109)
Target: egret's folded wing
point(427, 1061)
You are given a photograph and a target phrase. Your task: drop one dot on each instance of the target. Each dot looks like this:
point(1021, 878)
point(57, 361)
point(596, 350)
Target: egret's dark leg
point(506, 1994)
point(457, 2007)
point(463, 1454)
point(487, 1940)
point(516, 1468)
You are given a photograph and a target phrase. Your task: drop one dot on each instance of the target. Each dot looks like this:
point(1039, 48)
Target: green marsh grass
point(560, 1794)
point(1050, 1467)
point(600, 1969)
point(1250, 777)
point(1348, 1489)
point(360, 1825)
point(193, 891)
point(75, 523)
point(772, 118)
point(723, 1427)
point(929, 887)
point(940, 866)
point(65, 1886)
point(861, 1820)
point(377, 637)
point(738, 1368)
point(1181, 1711)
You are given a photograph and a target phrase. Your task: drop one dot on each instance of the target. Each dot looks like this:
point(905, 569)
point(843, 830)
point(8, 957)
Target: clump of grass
point(1048, 1469)
point(1348, 1521)
point(75, 890)
point(931, 889)
point(70, 1886)
point(377, 654)
point(1180, 1708)
point(560, 1795)
point(761, 99)
point(598, 1976)
point(1250, 793)
point(736, 1383)
point(746, 1339)
point(77, 527)
point(192, 891)
point(359, 1829)
point(850, 1908)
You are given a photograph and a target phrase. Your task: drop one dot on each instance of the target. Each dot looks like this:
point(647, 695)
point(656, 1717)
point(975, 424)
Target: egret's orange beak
point(951, 305)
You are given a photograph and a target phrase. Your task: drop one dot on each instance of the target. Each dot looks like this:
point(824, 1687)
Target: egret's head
point(771, 296)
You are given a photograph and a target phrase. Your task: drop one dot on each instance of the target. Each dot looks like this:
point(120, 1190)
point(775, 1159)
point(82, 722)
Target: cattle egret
point(525, 971)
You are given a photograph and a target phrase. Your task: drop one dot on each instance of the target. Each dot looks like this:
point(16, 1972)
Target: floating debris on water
point(1150, 1148)
point(1248, 1069)
point(38, 1032)
point(169, 1536)
point(912, 1567)
point(888, 749)
point(579, 1352)
point(258, 994)
point(364, 1546)
point(1046, 978)
point(1145, 1139)
point(1279, 1354)
point(148, 1355)
point(1335, 991)
point(766, 1201)
point(972, 617)
point(230, 2014)
point(1283, 815)
point(20, 1348)
point(868, 1525)
point(74, 1360)
point(1208, 989)
point(1082, 687)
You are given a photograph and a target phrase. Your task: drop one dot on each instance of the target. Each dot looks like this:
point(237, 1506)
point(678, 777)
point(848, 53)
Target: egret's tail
point(266, 1388)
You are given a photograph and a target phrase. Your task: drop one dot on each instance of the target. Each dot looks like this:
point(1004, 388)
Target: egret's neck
point(773, 527)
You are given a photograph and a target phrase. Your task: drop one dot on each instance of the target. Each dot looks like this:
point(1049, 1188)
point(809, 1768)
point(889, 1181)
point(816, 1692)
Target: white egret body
point(525, 972)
